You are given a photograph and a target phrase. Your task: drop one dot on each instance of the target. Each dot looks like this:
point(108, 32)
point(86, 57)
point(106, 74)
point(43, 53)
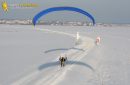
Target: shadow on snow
point(62, 49)
point(56, 63)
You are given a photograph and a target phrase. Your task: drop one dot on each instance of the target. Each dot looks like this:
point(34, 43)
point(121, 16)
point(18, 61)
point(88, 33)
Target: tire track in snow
point(61, 73)
point(58, 75)
point(87, 45)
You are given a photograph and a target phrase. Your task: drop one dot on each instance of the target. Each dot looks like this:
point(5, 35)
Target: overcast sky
point(107, 11)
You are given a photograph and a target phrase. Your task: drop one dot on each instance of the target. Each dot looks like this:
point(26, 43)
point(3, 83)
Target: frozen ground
point(28, 55)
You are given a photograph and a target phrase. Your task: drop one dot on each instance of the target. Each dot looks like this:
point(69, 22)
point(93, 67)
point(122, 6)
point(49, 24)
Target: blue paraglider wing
point(44, 12)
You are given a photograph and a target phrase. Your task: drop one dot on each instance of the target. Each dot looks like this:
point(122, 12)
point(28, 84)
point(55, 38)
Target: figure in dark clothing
point(62, 61)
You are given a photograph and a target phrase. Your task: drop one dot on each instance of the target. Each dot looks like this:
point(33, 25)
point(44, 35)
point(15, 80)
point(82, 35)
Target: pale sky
point(106, 11)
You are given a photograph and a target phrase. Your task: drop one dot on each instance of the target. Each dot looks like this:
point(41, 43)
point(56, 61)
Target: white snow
point(29, 55)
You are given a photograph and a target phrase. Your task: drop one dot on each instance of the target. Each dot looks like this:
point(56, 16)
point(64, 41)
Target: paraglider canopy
point(46, 11)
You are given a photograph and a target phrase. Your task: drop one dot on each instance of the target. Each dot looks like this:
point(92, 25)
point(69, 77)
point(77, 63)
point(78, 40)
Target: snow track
point(37, 77)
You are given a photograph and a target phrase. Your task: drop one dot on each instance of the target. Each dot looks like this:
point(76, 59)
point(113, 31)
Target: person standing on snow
point(62, 61)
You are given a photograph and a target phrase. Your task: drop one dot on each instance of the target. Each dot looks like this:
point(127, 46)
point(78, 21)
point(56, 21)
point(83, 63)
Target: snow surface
point(29, 55)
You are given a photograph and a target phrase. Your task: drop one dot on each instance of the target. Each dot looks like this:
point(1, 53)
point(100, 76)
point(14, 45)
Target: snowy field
point(29, 56)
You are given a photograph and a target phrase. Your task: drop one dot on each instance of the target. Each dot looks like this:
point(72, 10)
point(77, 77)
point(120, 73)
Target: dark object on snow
point(62, 61)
